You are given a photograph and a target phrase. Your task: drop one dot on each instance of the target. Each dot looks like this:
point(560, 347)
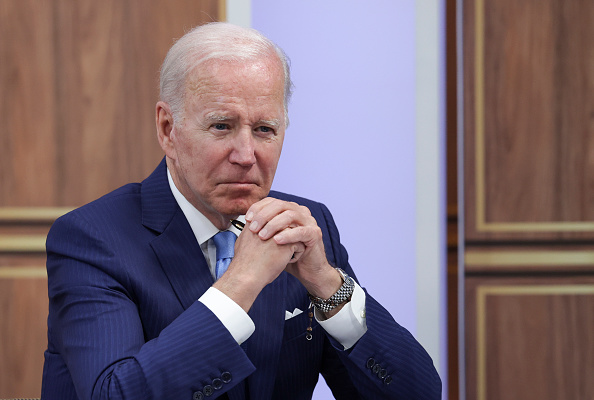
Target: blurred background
point(458, 135)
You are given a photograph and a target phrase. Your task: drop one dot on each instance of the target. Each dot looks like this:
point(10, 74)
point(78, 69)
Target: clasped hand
point(278, 236)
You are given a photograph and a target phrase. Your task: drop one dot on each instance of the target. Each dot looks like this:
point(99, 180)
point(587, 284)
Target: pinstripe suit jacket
point(124, 274)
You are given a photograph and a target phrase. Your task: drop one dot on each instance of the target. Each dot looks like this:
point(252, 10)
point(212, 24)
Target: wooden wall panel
point(529, 119)
point(79, 83)
point(27, 68)
point(452, 200)
point(23, 304)
point(528, 105)
point(534, 338)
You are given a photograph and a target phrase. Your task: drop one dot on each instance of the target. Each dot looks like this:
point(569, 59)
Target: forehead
point(246, 79)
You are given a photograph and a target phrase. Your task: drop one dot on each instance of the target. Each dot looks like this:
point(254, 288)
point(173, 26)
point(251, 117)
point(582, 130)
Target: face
point(224, 150)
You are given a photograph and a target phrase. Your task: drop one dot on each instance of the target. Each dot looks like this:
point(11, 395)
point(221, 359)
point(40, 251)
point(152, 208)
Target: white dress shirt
point(347, 326)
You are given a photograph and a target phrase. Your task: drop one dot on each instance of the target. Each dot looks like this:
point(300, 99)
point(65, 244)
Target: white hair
point(220, 41)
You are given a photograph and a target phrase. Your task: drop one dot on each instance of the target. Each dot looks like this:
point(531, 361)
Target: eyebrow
point(216, 117)
point(274, 123)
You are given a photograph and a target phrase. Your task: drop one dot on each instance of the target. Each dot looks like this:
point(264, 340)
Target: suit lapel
point(186, 270)
point(182, 260)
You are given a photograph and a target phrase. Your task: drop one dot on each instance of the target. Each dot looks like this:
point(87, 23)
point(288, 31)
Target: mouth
point(240, 184)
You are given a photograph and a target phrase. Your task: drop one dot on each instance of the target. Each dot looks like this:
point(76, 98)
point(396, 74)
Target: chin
point(236, 202)
point(237, 207)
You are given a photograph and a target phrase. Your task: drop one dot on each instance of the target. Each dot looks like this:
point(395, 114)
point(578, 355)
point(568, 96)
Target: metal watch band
point(343, 294)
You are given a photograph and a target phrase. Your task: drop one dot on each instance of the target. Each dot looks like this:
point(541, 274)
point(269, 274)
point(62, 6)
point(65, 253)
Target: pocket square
point(289, 314)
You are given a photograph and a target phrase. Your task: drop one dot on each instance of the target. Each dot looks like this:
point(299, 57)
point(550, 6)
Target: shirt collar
point(201, 226)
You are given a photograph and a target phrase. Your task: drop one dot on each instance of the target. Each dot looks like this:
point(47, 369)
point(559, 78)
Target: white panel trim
point(430, 180)
point(239, 12)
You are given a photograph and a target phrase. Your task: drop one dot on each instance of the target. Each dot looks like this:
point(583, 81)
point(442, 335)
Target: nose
point(243, 150)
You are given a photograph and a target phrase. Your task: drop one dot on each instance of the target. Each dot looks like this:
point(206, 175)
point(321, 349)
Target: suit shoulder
point(109, 205)
point(319, 211)
point(296, 199)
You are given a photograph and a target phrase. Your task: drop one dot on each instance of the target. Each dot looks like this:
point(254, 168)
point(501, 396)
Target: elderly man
point(198, 281)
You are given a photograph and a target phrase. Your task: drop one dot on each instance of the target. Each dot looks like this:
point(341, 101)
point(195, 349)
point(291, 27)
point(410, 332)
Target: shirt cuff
point(237, 321)
point(349, 324)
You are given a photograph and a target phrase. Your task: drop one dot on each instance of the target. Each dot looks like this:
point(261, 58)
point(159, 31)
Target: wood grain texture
point(529, 198)
point(28, 140)
point(79, 83)
point(23, 310)
point(532, 338)
point(453, 297)
point(529, 119)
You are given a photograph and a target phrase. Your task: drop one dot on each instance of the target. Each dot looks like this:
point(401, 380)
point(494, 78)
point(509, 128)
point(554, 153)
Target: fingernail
point(249, 216)
point(279, 238)
point(263, 233)
point(253, 226)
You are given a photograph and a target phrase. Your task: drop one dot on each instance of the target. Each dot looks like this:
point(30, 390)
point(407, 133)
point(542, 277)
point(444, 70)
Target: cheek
point(273, 155)
point(189, 158)
point(268, 164)
point(207, 163)
point(192, 147)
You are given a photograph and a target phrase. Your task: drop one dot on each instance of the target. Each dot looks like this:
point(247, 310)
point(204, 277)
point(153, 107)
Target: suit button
point(388, 380)
point(226, 377)
point(376, 368)
point(217, 383)
point(197, 396)
point(370, 363)
point(208, 390)
point(382, 374)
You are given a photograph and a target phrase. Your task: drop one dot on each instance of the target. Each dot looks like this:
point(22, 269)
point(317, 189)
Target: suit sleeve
point(387, 362)
point(95, 327)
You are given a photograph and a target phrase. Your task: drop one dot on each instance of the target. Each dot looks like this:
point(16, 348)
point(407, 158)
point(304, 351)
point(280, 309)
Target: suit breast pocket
point(296, 326)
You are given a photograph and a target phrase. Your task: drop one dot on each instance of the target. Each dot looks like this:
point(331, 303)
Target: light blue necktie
point(225, 243)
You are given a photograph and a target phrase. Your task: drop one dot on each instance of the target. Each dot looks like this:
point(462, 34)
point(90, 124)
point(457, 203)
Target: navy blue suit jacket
point(124, 274)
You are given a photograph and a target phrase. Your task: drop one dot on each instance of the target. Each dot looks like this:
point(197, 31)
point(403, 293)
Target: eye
point(266, 130)
point(220, 126)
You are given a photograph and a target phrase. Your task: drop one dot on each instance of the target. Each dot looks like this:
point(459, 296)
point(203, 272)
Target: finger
point(263, 259)
point(308, 235)
point(298, 250)
point(255, 216)
point(256, 207)
point(265, 211)
point(286, 219)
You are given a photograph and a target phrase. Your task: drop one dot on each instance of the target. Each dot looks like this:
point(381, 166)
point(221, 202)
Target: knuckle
point(318, 232)
point(304, 210)
point(312, 221)
point(293, 214)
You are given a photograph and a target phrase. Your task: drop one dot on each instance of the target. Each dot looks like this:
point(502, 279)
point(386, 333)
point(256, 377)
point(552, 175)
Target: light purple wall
point(351, 139)
point(351, 143)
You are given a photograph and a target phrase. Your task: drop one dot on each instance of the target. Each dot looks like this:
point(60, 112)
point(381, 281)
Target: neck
point(220, 221)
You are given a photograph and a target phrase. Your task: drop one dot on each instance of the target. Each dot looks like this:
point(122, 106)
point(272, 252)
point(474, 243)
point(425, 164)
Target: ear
point(165, 129)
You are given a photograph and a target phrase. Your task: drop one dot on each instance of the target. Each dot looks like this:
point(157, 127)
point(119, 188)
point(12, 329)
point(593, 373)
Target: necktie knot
point(225, 244)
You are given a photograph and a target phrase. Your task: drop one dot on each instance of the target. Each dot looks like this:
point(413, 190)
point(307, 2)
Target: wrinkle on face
point(215, 168)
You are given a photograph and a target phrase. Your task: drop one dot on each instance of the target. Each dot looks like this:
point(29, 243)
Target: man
point(143, 303)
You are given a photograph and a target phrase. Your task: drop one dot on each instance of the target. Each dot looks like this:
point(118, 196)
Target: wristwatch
point(343, 294)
